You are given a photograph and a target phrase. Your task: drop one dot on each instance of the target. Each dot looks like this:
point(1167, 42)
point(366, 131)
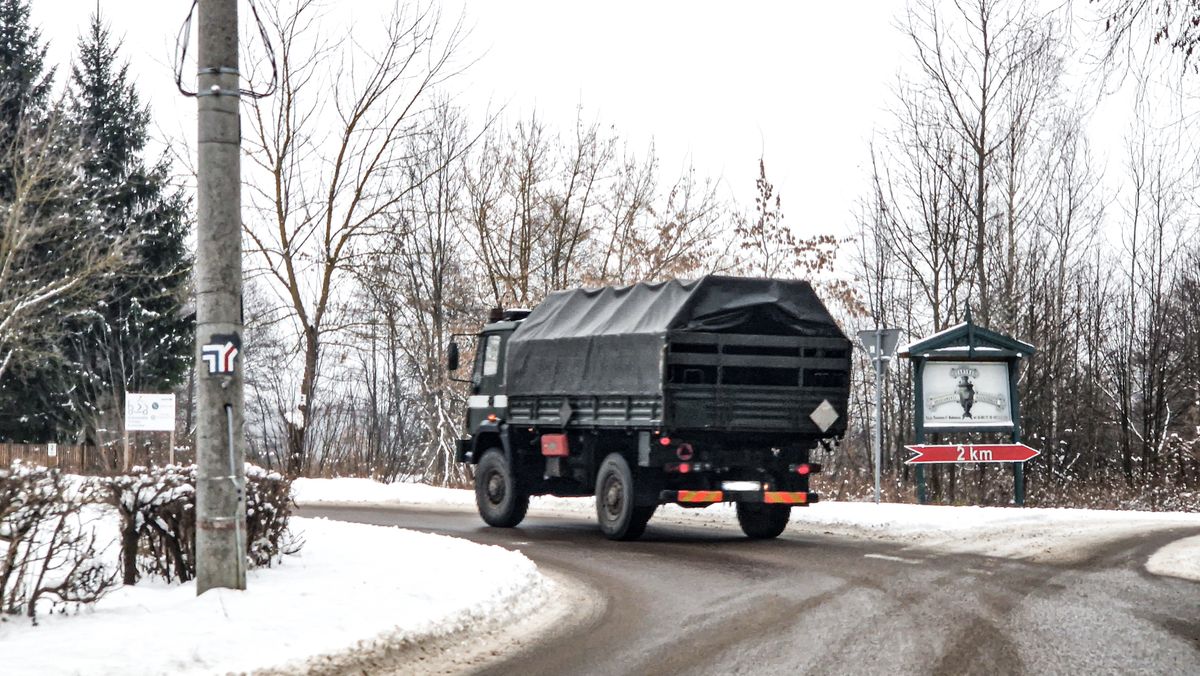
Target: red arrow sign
point(972, 453)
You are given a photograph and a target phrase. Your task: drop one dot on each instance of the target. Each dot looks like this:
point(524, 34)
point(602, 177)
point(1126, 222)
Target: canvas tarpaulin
point(610, 340)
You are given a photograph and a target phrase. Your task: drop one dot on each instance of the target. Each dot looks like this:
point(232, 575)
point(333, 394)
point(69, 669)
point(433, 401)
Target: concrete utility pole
point(220, 441)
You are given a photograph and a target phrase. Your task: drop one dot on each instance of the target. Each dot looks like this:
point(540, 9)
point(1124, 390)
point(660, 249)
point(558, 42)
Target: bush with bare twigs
point(50, 550)
point(157, 507)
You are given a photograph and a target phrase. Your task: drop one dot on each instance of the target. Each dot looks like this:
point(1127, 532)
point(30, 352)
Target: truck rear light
point(805, 468)
point(665, 441)
point(687, 467)
point(685, 452)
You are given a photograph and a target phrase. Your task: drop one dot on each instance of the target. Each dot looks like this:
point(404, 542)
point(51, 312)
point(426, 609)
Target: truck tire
point(619, 517)
point(500, 502)
point(761, 521)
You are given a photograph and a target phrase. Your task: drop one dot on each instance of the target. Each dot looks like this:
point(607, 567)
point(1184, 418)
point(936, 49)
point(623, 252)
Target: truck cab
point(487, 403)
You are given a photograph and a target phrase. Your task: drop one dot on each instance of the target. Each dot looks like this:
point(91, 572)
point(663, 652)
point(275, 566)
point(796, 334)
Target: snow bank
point(351, 587)
point(1045, 535)
point(368, 491)
point(1178, 559)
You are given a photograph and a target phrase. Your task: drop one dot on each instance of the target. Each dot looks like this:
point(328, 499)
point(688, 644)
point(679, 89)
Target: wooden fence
point(81, 459)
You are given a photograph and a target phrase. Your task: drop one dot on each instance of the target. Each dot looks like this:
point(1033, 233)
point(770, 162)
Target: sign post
point(965, 381)
point(880, 344)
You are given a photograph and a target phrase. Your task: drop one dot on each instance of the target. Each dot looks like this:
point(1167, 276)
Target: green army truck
point(687, 392)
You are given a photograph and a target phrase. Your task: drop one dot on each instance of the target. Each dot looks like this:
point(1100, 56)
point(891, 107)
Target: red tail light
point(684, 468)
point(665, 441)
point(806, 468)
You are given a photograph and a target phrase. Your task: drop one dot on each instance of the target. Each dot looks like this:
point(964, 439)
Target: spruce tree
point(138, 339)
point(25, 87)
point(24, 82)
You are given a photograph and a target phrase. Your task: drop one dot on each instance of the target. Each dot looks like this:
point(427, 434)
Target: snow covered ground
point(351, 587)
point(363, 588)
point(1044, 535)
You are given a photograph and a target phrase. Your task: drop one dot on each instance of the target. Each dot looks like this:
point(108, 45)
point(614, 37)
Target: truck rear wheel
point(619, 517)
point(761, 521)
point(500, 503)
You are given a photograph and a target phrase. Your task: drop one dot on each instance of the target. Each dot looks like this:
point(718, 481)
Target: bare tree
point(331, 156)
point(972, 63)
point(420, 293)
point(1173, 24)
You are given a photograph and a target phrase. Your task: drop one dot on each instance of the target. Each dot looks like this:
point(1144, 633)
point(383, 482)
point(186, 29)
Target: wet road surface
point(695, 600)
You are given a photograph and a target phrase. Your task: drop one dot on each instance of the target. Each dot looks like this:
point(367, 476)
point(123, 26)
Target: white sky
point(714, 83)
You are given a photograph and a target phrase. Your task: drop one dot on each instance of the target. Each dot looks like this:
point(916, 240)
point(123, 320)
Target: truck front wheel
point(500, 503)
point(620, 518)
point(762, 522)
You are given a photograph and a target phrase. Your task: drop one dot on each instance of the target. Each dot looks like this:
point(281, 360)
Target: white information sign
point(149, 412)
point(966, 394)
point(52, 450)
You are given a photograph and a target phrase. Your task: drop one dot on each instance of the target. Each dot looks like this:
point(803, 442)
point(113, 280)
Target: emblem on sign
point(220, 356)
point(958, 393)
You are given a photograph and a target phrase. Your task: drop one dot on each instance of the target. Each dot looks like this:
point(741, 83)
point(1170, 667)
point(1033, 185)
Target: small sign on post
point(879, 343)
point(149, 413)
point(52, 450)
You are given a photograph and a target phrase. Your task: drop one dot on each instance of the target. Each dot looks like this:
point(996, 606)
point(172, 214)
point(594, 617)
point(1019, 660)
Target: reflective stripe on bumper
point(768, 497)
point(699, 496)
point(785, 497)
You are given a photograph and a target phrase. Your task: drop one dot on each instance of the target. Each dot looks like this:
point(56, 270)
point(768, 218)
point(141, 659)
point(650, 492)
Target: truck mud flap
point(799, 498)
point(462, 450)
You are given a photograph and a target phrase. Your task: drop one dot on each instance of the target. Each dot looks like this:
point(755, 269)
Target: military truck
point(689, 392)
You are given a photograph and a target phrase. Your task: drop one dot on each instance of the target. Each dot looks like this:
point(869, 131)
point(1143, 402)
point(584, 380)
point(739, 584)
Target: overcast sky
point(717, 84)
point(714, 83)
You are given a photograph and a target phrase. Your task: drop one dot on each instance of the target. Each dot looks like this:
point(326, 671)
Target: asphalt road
point(708, 601)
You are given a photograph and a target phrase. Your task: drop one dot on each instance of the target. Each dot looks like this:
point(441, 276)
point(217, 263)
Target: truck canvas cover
point(612, 340)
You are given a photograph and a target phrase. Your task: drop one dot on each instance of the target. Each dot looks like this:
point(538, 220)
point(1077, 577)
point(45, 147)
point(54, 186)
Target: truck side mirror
point(452, 356)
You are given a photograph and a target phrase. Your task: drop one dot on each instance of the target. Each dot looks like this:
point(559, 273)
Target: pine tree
point(24, 84)
point(138, 339)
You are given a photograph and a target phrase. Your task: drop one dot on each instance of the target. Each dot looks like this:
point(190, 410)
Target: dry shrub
point(48, 542)
point(158, 520)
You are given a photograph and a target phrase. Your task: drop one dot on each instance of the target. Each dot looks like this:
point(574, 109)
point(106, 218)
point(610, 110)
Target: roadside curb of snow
point(1179, 559)
point(554, 605)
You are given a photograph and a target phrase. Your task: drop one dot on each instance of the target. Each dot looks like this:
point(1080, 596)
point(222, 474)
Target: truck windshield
point(491, 355)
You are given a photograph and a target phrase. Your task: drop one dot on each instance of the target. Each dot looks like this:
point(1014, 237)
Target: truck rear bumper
point(795, 498)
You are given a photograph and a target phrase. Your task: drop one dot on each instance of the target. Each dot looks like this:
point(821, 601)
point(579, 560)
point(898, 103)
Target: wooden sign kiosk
point(965, 381)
